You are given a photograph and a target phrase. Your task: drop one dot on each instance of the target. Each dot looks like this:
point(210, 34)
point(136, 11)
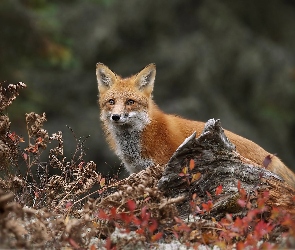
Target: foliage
point(42, 211)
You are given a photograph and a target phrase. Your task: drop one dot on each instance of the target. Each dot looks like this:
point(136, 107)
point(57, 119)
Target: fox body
point(142, 135)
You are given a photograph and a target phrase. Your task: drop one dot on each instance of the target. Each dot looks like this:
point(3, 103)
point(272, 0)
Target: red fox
point(142, 135)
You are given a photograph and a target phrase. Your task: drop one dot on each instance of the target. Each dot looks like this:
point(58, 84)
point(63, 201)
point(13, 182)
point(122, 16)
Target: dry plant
point(45, 201)
point(34, 202)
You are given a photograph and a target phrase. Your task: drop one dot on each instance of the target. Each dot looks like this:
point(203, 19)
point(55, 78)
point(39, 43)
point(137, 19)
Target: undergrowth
point(47, 203)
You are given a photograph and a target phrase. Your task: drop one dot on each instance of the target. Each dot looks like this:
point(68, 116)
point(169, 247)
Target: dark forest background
point(231, 59)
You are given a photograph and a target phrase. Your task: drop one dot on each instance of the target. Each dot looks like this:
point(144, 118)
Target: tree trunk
point(200, 165)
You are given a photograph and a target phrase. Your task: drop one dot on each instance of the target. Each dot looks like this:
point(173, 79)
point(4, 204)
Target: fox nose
point(115, 117)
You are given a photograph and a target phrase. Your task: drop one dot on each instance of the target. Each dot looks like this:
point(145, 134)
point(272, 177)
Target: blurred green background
point(231, 59)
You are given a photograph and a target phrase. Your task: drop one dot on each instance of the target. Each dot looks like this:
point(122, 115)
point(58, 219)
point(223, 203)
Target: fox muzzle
point(115, 117)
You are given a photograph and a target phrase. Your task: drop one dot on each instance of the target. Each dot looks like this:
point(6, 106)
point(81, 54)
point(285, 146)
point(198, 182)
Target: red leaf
point(178, 220)
point(250, 240)
point(243, 193)
point(288, 221)
point(126, 217)
point(92, 247)
point(265, 194)
point(143, 212)
point(207, 206)
point(198, 210)
point(184, 228)
point(261, 229)
point(175, 235)
point(240, 245)
point(145, 221)
point(102, 215)
point(157, 236)
point(113, 212)
point(73, 243)
point(275, 212)
point(191, 164)
point(251, 215)
point(218, 190)
point(261, 204)
point(242, 203)
point(136, 221)
point(131, 205)
point(238, 224)
point(140, 231)
point(209, 195)
point(239, 185)
point(108, 243)
point(153, 226)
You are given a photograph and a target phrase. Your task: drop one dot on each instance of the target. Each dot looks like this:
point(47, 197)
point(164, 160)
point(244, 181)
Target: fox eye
point(130, 102)
point(111, 101)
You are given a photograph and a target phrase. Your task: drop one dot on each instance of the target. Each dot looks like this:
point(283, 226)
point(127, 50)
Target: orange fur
point(142, 135)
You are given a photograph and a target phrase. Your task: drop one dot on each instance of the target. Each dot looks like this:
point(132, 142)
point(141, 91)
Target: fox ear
point(105, 77)
point(145, 79)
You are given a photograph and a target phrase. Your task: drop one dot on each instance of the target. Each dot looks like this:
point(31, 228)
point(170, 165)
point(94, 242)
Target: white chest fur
point(129, 148)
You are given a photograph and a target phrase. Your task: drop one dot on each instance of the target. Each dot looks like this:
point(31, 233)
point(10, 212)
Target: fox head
point(125, 101)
